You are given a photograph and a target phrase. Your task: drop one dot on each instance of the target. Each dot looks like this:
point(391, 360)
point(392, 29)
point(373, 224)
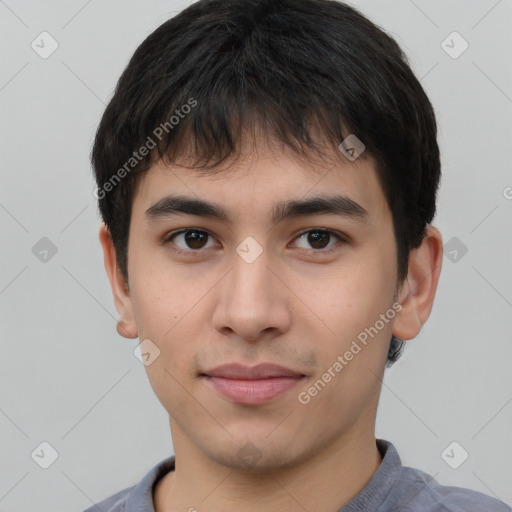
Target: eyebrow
point(343, 206)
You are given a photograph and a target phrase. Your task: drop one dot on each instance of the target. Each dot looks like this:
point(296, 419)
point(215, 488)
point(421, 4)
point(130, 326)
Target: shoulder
point(137, 497)
point(114, 503)
point(421, 492)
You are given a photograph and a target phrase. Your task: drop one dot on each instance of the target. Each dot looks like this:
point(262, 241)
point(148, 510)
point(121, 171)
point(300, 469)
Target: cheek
point(168, 319)
point(352, 298)
point(162, 297)
point(169, 387)
point(348, 304)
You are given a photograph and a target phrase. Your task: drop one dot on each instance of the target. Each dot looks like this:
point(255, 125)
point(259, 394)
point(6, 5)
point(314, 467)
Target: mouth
point(252, 385)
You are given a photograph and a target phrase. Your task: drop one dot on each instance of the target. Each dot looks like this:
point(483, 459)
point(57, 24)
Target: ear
point(417, 292)
point(126, 326)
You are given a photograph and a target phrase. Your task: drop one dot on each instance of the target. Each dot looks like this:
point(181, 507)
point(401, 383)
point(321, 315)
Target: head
point(245, 104)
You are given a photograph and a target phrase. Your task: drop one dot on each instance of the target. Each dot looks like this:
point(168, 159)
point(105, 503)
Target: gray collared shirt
point(392, 488)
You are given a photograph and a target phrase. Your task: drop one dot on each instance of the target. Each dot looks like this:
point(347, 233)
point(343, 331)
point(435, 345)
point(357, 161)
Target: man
point(267, 174)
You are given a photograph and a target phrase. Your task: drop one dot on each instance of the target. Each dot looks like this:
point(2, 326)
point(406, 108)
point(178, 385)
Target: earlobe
point(126, 330)
point(418, 291)
point(126, 326)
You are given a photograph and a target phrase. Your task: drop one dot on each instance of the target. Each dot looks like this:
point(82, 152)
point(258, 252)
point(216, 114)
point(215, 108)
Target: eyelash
point(170, 236)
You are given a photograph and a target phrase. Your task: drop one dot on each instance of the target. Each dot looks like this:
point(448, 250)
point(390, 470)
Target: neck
point(326, 481)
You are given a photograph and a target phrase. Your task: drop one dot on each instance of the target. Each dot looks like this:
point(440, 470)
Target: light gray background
point(67, 378)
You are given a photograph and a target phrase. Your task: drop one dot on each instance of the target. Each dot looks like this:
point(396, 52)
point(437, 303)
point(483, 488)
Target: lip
point(255, 385)
point(260, 371)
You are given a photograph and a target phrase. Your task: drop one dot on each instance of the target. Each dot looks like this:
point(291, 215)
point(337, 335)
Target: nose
point(253, 302)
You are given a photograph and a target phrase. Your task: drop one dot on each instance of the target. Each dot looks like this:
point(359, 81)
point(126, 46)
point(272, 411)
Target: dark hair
point(304, 71)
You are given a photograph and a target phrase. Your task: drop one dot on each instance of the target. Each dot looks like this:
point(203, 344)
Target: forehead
point(260, 179)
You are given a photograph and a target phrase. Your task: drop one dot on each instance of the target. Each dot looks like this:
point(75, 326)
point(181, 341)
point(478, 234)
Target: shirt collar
point(375, 492)
point(141, 496)
point(369, 499)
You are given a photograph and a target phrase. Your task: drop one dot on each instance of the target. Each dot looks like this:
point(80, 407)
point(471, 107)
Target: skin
point(294, 306)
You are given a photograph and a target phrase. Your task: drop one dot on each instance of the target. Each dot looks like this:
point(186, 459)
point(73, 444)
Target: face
point(264, 284)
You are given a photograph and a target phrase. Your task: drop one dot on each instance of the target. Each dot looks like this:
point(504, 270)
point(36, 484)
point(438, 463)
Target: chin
point(259, 454)
point(249, 459)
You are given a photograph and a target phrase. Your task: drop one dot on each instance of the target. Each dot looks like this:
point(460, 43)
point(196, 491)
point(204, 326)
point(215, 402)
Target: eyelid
point(344, 239)
point(341, 236)
point(314, 229)
point(172, 234)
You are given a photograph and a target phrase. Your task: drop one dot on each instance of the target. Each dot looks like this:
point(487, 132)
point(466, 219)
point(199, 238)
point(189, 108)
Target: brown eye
point(318, 239)
point(189, 239)
point(195, 239)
